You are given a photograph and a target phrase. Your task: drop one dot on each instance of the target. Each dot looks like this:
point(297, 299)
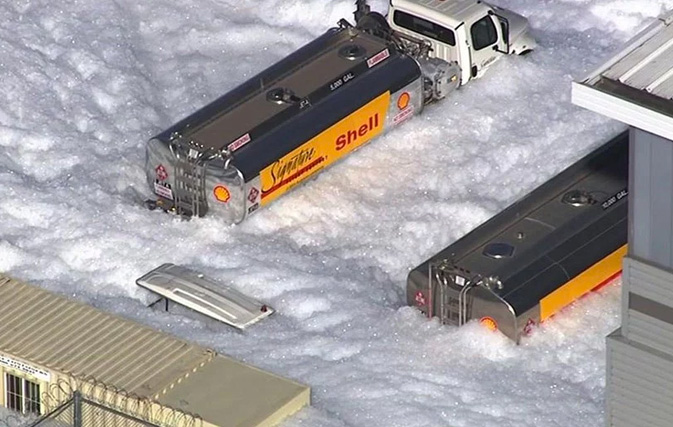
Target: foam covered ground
point(86, 83)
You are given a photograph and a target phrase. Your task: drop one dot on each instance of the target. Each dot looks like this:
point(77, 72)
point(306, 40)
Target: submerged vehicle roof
point(450, 12)
point(202, 294)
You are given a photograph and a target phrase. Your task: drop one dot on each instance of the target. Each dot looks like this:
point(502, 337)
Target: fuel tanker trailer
point(284, 125)
point(545, 251)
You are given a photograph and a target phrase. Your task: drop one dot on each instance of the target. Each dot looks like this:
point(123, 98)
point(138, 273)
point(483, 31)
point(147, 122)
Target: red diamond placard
point(161, 172)
point(252, 195)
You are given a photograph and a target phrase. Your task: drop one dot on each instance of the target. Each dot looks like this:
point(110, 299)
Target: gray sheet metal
point(647, 304)
point(649, 67)
point(651, 218)
point(194, 290)
point(637, 384)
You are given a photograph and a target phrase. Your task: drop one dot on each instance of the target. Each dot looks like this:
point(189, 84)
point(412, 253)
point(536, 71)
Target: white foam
point(86, 83)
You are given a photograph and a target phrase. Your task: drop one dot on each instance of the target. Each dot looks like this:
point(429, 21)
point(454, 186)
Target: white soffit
point(636, 85)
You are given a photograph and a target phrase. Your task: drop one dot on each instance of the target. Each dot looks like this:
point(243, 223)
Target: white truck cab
point(471, 33)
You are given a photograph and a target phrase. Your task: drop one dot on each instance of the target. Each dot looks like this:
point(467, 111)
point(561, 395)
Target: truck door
point(442, 38)
point(485, 38)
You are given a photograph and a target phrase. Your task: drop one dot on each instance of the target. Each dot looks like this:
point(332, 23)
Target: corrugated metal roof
point(74, 338)
point(648, 67)
point(257, 398)
point(635, 86)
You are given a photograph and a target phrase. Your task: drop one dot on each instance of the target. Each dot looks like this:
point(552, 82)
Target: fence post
point(77, 409)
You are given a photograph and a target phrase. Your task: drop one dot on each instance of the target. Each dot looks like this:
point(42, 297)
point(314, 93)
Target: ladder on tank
point(453, 289)
point(190, 177)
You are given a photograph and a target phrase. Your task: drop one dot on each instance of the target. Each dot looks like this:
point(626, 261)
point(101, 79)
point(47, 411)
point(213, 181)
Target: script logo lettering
point(284, 168)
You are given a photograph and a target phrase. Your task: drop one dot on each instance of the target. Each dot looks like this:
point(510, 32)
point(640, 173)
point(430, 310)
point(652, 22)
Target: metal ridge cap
point(209, 356)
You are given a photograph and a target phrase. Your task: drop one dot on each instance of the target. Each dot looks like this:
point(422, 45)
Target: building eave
point(618, 108)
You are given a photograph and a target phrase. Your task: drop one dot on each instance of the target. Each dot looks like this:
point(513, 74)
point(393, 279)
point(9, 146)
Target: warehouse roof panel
point(635, 86)
point(75, 339)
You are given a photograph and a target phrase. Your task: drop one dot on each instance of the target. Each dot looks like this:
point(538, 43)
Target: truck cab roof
point(448, 12)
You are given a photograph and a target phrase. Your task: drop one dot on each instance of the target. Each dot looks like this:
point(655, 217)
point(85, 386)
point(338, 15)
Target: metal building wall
point(651, 203)
point(639, 380)
point(647, 305)
point(635, 86)
point(639, 375)
point(638, 392)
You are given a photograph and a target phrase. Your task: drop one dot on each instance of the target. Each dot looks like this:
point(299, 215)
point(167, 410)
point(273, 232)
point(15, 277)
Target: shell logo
point(403, 100)
point(489, 323)
point(222, 193)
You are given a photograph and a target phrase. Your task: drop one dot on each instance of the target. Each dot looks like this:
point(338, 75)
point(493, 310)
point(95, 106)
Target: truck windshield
point(424, 27)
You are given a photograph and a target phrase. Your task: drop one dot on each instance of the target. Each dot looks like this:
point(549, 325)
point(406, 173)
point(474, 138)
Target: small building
point(51, 346)
point(636, 87)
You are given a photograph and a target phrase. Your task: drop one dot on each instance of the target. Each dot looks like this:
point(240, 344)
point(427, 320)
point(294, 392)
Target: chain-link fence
point(81, 412)
point(99, 401)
